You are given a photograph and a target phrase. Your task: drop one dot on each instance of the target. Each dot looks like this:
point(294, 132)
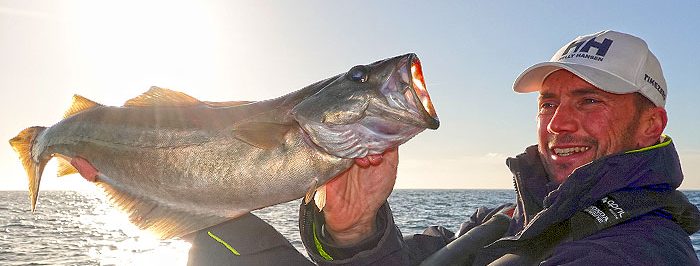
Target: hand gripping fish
point(176, 165)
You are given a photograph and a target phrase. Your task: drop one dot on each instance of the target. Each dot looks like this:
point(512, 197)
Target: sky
point(471, 51)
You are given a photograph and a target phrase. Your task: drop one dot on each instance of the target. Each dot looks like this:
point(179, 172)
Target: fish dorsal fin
point(79, 104)
point(162, 97)
point(264, 135)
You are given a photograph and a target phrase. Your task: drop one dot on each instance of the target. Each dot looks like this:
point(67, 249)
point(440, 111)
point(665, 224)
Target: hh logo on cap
point(583, 49)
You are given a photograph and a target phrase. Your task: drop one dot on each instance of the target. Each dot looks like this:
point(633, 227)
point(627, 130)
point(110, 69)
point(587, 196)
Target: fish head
point(368, 109)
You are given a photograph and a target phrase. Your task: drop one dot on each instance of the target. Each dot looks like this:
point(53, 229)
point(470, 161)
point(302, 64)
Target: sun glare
point(151, 42)
point(130, 245)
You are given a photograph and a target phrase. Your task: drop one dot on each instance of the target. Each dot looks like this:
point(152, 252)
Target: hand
point(354, 196)
point(85, 168)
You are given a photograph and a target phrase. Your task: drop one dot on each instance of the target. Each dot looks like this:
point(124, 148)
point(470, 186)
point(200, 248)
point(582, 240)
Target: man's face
point(578, 123)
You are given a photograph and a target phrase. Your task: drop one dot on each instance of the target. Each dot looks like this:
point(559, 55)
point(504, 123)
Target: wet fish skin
point(177, 165)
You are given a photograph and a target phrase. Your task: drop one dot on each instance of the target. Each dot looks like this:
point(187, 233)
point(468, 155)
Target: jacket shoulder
point(648, 240)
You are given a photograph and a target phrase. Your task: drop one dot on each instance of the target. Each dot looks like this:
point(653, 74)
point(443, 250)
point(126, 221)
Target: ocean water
point(80, 228)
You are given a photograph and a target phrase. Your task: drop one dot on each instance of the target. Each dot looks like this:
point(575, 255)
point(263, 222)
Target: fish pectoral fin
point(162, 97)
point(264, 135)
point(310, 192)
point(320, 197)
point(317, 193)
point(151, 214)
point(79, 104)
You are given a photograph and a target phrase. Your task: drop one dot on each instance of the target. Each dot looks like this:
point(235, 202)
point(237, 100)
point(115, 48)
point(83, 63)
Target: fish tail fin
point(22, 144)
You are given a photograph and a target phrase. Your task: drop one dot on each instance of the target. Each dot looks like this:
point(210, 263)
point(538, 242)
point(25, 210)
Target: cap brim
point(532, 78)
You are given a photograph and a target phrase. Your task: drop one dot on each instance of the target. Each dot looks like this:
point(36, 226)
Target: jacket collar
point(656, 167)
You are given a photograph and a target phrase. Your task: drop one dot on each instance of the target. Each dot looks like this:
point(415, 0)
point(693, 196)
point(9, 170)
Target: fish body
point(176, 165)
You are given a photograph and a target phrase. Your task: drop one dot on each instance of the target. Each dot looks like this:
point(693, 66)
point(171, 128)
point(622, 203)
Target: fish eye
point(358, 74)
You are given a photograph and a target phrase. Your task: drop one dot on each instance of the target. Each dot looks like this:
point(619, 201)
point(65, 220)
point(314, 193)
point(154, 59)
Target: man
point(599, 187)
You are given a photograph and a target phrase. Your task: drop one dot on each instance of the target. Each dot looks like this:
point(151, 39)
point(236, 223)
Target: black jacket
point(622, 209)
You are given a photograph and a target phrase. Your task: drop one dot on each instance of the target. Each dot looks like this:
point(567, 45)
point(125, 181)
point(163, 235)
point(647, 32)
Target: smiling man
point(598, 188)
point(578, 123)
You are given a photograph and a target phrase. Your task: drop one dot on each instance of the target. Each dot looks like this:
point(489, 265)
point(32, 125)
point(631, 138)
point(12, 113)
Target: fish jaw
point(407, 98)
point(369, 109)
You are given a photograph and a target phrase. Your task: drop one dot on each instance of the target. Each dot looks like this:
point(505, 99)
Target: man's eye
point(547, 108)
point(590, 101)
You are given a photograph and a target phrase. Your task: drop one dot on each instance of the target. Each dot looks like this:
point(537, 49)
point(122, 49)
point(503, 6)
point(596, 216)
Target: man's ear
point(652, 124)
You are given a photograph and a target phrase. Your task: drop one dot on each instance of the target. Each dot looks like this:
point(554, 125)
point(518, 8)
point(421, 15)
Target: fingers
point(85, 168)
point(362, 162)
point(376, 159)
point(369, 160)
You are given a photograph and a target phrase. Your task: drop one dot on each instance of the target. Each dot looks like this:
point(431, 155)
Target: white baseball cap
point(612, 61)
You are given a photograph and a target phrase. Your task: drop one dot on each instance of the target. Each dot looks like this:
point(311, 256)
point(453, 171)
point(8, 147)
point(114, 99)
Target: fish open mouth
point(418, 95)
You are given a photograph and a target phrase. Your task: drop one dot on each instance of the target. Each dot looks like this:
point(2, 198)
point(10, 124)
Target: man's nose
point(563, 120)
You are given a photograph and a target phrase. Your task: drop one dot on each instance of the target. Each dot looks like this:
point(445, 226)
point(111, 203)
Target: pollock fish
point(175, 164)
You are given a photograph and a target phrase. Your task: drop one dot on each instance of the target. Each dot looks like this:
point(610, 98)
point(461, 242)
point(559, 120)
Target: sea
point(80, 227)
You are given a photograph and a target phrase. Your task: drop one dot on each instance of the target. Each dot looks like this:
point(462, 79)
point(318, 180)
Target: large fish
point(176, 165)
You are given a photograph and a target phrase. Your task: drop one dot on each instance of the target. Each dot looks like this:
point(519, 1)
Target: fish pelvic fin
point(161, 219)
point(80, 104)
point(22, 144)
point(64, 166)
point(162, 97)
